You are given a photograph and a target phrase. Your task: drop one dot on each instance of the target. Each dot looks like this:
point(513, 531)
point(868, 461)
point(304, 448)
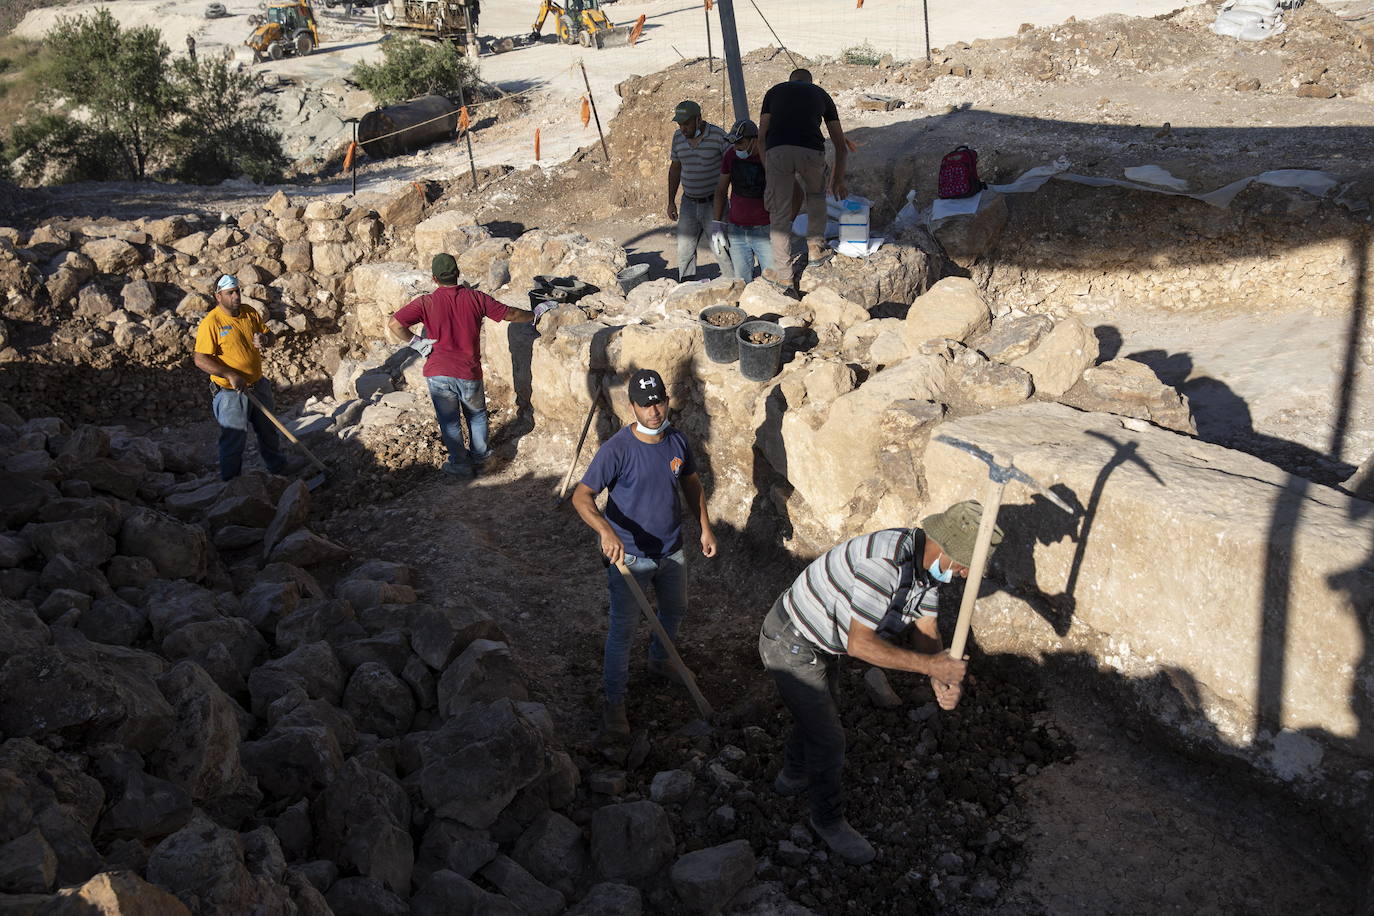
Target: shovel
point(319, 478)
point(586, 425)
point(687, 679)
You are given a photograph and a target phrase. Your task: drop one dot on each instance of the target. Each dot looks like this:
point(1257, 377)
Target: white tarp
point(1149, 178)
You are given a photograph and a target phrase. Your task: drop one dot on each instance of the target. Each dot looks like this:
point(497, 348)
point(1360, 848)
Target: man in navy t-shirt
point(642, 466)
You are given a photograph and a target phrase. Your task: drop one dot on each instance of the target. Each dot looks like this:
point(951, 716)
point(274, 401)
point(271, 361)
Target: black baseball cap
point(743, 129)
point(646, 387)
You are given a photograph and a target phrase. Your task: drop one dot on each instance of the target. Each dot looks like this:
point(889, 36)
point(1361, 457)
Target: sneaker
point(461, 471)
point(819, 256)
point(845, 842)
point(613, 719)
point(665, 670)
point(785, 785)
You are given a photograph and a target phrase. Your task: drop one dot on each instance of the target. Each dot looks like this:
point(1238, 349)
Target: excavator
point(289, 29)
point(581, 22)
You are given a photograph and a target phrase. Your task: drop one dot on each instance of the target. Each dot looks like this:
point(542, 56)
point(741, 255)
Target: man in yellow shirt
point(228, 344)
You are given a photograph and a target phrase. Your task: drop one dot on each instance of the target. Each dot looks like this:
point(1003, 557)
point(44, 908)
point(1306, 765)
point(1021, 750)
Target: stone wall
point(1237, 599)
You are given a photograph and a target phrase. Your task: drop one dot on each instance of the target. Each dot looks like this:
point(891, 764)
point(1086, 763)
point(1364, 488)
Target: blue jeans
point(454, 399)
point(669, 579)
point(746, 244)
point(235, 413)
point(693, 227)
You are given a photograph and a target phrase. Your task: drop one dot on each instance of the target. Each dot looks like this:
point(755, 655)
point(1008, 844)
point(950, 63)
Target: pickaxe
point(999, 475)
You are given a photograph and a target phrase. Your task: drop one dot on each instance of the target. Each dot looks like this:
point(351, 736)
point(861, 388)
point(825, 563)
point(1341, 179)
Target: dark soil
point(726, 319)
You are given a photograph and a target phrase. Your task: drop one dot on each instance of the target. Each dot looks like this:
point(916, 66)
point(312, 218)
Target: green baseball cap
point(686, 111)
point(444, 268)
point(956, 530)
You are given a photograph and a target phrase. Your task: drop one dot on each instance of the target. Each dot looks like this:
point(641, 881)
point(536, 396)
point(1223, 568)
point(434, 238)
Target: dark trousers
point(808, 680)
point(235, 414)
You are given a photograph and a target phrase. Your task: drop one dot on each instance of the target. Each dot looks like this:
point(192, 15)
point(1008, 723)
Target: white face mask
point(650, 431)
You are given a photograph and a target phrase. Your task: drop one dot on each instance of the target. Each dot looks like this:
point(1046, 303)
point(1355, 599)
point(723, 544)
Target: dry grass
point(19, 84)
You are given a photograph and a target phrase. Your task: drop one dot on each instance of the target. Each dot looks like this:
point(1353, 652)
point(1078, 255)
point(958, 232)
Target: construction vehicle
point(448, 20)
point(581, 22)
point(289, 28)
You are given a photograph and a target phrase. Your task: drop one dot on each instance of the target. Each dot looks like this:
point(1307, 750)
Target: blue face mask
point(742, 153)
point(946, 576)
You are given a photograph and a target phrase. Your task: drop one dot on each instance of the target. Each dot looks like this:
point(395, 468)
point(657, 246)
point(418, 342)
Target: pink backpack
point(959, 174)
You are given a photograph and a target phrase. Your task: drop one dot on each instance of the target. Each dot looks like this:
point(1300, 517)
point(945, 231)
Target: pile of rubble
point(209, 708)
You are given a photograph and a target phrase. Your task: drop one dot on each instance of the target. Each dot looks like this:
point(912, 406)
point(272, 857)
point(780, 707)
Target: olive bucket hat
point(956, 530)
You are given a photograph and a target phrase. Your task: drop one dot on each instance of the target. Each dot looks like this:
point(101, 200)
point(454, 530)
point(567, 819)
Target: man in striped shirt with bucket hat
point(698, 148)
point(853, 600)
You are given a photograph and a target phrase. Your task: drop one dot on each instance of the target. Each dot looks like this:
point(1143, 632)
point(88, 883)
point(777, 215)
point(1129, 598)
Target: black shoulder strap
point(893, 624)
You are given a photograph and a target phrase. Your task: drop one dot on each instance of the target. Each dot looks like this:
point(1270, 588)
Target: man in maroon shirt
point(452, 316)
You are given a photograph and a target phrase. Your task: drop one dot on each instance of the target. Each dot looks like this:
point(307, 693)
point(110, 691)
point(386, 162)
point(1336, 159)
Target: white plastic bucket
point(854, 220)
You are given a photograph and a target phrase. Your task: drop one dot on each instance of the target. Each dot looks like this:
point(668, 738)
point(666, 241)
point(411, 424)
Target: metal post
point(729, 41)
point(467, 134)
point(710, 58)
point(925, 11)
point(354, 170)
point(591, 98)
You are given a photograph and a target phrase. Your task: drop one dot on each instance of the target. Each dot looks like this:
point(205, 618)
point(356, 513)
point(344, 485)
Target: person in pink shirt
point(741, 185)
point(452, 316)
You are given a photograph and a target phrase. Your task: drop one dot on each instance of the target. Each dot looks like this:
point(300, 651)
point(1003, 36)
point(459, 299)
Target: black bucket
point(722, 344)
point(759, 362)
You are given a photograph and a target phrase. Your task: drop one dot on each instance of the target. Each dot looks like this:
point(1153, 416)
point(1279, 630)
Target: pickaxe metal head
point(1004, 473)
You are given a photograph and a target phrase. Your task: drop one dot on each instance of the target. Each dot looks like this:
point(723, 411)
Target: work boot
point(785, 785)
point(845, 842)
point(614, 721)
point(460, 471)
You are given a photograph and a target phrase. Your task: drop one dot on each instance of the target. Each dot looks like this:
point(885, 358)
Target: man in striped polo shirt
point(851, 601)
point(697, 150)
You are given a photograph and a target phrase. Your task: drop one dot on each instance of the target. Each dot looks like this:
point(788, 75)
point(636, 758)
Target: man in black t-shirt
point(794, 150)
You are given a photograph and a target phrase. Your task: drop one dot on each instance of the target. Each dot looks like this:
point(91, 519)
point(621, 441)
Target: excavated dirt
point(1041, 794)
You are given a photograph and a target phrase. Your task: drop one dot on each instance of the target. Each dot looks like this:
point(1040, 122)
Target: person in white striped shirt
point(857, 599)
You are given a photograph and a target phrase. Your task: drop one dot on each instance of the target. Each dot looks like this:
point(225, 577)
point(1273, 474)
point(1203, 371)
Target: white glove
point(543, 307)
point(720, 245)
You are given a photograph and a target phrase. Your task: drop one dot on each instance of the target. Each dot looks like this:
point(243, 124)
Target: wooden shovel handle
point(284, 431)
point(702, 706)
point(586, 425)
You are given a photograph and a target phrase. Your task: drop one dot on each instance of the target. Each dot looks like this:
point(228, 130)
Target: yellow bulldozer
point(289, 29)
point(581, 22)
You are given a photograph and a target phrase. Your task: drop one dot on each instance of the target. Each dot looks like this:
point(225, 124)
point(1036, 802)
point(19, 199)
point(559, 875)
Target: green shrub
point(54, 149)
point(864, 55)
point(143, 114)
point(119, 77)
point(410, 68)
point(223, 131)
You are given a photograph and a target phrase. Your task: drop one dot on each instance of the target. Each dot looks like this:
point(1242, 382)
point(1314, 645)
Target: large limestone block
point(1131, 389)
point(1247, 590)
point(452, 231)
point(669, 347)
point(952, 309)
point(540, 252)
point(484, 264)
point(1058, 361)
point(829, 307)
point(689, 299)
point(332, 259)
point(381, 289)
point(830, 455)
point(898, 273)
point(112, 256)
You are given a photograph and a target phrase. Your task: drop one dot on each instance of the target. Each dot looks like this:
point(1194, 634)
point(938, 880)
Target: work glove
point(720, 243)
point(543, 307)
point(718, 225)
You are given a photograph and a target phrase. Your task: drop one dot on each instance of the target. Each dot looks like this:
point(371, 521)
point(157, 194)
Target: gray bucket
point(722, 342)
point(631, 277)
point(759, 362)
